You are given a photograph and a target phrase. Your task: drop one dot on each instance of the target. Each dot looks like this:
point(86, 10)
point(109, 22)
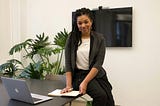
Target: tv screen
point(115, 24)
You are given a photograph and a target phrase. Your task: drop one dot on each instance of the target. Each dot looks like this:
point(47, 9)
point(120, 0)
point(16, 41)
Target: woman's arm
point(68, 66)
point(95, 68)
point(68, 87)
point(68, 80)
point(88, 78)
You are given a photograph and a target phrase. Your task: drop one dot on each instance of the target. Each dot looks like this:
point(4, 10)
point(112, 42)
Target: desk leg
point(70, 103)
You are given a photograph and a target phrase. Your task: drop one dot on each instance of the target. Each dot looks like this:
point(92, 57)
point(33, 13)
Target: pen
point(70, 89)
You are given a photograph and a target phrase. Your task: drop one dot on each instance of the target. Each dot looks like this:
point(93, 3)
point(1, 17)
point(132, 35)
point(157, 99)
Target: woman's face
point(84, 24)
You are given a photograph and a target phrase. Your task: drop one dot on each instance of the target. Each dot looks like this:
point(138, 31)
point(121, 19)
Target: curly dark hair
point(75, 33)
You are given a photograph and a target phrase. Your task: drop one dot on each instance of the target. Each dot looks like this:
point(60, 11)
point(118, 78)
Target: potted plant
point(59, 41)
point(43, 49)
point(11, 67)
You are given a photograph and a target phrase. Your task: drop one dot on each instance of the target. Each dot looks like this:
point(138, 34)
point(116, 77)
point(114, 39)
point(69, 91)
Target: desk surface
point(40, 87)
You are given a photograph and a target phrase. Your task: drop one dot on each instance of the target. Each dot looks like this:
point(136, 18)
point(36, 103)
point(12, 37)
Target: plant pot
point(54, 77)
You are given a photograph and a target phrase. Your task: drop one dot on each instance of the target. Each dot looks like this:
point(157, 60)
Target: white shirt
point(82, 60)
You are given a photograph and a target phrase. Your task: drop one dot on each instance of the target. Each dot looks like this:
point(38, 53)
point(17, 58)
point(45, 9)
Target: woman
point(84, 55)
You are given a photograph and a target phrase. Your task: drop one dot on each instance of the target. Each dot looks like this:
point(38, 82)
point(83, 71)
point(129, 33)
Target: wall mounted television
point(115, 24)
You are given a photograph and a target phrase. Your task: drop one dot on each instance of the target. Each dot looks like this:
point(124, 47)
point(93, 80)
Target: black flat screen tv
point(115, 24)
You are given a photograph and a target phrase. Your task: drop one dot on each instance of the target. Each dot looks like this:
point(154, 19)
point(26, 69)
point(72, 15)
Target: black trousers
point(94, 89)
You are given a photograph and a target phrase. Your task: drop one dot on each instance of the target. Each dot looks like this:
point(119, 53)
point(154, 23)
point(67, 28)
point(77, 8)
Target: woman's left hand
point(83, 87)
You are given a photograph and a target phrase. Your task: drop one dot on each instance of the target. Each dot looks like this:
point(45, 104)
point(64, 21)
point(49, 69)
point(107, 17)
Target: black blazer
point(96, 56)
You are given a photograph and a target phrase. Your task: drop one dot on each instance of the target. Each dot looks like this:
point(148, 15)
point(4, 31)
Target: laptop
point(18, 90)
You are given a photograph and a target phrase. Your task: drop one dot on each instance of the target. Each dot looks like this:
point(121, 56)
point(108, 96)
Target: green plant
point(32, 47)
point(88, 102)
point(33, 70)
point(10, 67)
point(60, 41)
point(39, 51)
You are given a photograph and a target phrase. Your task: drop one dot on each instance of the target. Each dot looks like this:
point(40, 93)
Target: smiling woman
point(84, 55)
point(84, 24)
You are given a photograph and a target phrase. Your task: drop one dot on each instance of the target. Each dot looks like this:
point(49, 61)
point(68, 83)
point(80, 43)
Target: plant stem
point(28, 53)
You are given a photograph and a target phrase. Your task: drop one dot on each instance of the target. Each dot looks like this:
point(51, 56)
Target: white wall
point(9, 28)
point(5, 38)
point(134, 72)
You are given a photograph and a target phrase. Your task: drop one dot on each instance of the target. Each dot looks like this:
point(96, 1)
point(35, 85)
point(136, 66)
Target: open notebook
point(57, 92)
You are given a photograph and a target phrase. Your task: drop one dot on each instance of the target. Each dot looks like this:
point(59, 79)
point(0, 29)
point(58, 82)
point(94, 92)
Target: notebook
point(57, 92)
point(18, 90)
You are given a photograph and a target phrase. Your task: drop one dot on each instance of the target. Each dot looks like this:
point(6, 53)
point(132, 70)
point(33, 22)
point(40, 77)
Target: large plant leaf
point(34, 71)
point(15, 61)
point(20, 46)
point(40, 42)
point(47, 51)
point(60, 38)
point(10, 67)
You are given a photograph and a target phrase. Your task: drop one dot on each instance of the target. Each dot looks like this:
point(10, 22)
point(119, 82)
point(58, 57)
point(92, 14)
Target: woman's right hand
point(67, 89)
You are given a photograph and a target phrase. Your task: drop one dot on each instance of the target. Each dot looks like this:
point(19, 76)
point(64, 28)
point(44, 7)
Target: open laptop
point(18, 90)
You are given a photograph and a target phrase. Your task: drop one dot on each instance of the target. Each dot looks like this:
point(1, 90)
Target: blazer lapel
point(92, 50)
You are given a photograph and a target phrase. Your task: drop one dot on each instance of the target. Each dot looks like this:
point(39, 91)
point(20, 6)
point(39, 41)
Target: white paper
point(57, 92)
